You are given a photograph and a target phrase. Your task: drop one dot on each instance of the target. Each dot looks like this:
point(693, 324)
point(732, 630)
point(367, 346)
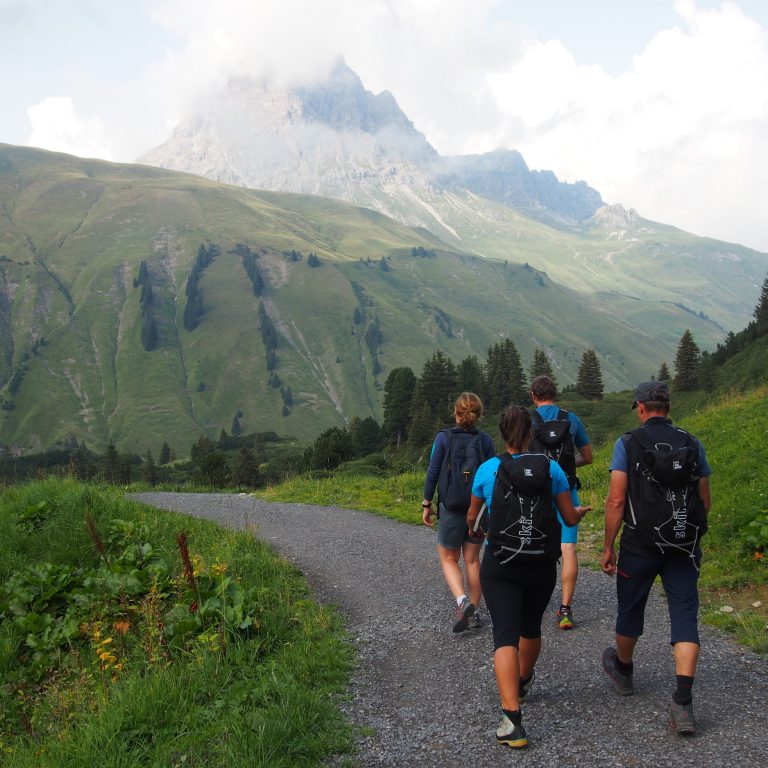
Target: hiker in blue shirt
point(543, 394)
point(456, 455)
point(518, 580)
point(659, 498)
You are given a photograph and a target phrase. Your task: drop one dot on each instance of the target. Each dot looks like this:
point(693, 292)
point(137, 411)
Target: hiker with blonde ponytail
point(456, 454)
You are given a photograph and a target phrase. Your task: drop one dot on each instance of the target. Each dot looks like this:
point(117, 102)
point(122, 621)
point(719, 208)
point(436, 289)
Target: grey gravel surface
point(424, 696)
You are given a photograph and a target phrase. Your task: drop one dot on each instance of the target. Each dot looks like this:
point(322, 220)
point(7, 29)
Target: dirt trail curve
point(427, 697)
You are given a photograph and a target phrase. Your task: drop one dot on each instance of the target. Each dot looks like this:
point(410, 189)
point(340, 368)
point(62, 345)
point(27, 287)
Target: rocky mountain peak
point(337, 139)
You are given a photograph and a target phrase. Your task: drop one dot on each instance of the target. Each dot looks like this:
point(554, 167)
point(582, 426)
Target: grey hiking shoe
point(475, 621)
point(525, 687)
point(622, 681)
point(510, 734)
point(464, 613)
point(681, 719)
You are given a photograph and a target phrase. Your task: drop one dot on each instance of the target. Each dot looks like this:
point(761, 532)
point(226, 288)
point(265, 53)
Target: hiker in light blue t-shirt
point(543, 394)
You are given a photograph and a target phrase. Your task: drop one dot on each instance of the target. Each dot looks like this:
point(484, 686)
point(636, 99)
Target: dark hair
point(515, 427)
point(659, 403)
point(543, 388)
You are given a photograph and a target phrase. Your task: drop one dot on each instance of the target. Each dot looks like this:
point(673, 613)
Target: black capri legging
point(516, 595)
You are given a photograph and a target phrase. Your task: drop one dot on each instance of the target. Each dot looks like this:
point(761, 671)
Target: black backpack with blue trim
point(524, 525)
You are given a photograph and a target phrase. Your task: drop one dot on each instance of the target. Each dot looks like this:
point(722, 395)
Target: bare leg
point(506, 665)
point(529, 653)
point(625, 648)
point(449, 562)
point(569, 571)
point(471, 553)
point(686, 657)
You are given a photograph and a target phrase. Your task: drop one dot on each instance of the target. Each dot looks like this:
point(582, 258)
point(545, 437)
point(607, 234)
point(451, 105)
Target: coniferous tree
point(761, 310)
point(589, 380)
point(111, 464)
point(365, 434)
point(201, 448)
point(663, 374)
point(439, 385)
point(686, 363)
point(470, 377)
point(422, 426)
point(236, 430)
point(540, 366)
point(504, 374)
point(246, 469)
point(398, 391)
point(165, 454)
point(149, 469)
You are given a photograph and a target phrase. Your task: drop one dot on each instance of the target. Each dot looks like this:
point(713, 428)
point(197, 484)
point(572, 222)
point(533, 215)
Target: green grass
point(266, 699)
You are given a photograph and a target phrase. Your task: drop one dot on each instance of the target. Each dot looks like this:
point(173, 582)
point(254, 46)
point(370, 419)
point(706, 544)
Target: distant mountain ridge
point(340, 140)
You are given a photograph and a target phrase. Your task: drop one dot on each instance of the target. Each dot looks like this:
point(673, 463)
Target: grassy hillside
point(74, 233)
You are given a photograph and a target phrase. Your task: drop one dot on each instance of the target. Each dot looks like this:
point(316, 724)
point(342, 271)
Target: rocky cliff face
point(340, 140)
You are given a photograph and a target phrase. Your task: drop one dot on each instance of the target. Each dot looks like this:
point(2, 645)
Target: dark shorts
point(452, 530)
point(679, 577)
point(516, 596)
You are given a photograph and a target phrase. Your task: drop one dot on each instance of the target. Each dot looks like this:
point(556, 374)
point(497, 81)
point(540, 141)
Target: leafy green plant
point(755, 535)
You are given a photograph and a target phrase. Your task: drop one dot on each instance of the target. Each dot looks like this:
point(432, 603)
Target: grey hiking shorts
point(452, 530)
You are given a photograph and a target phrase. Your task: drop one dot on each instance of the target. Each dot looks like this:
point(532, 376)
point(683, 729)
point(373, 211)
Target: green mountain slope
point(73, 234)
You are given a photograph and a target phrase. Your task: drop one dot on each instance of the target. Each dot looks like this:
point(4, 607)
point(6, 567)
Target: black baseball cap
point(650, 390)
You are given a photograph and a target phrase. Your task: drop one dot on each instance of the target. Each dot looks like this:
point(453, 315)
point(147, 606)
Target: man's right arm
point(704, 493)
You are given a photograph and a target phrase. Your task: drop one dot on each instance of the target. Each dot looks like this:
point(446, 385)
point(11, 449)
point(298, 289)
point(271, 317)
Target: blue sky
point(661, 105)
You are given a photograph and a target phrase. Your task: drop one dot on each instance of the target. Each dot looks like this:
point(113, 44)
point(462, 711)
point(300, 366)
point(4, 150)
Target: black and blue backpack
point(553, 438)
point(524, 525)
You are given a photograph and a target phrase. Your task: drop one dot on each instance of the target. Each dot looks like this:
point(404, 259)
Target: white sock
point(460, 599)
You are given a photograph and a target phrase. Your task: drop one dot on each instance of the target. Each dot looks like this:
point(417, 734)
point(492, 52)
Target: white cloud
point(57, 125)
point(677, 133)
point(680, 136)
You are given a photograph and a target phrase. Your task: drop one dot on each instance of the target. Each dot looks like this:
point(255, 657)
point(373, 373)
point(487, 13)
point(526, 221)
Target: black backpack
point(554, 439)
point(463, 456)
point(664, 508)
point(524, 525)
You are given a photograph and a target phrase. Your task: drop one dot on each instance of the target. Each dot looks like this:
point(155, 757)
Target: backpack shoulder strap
point(562, 415)
point(536, 417)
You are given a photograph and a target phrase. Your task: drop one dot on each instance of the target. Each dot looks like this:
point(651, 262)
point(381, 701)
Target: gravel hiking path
point(423, 696)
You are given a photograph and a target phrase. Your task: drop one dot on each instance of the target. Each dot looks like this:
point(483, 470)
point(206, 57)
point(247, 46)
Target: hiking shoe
point(525, 688)
point(463, 615)
point(681, 719)
point(622, 681)
point(564, 617)
point(475, 622)
point(510, 734)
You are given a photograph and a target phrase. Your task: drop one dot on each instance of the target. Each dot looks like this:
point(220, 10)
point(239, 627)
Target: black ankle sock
point(625, 668)
point(524, 680)
point(516, 717)
point(683, 693)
